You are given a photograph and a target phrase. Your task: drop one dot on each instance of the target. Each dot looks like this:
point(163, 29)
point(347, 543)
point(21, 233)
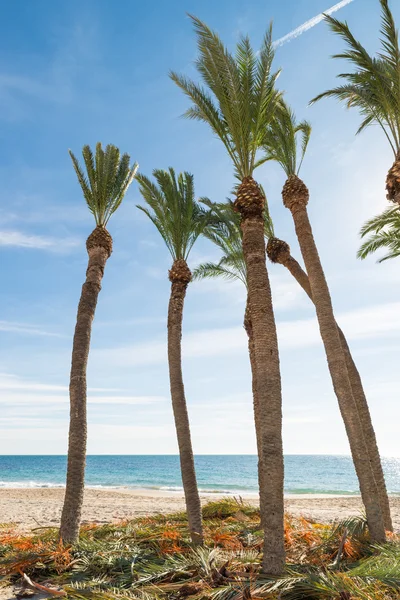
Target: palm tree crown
point(374, 85)
point(280, 142)
point(173, 209)
point(225, 232)
point(385, 230)
point(239, 96)
point(108, 177)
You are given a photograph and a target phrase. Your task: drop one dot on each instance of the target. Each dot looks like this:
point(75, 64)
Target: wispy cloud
point(24, 329)
point(56, 400)
point(374, 322)
point(18, 239)
point(311, 23)
point(10, 381)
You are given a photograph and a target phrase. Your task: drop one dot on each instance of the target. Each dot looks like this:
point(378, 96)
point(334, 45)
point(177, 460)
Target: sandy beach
point(34, 507)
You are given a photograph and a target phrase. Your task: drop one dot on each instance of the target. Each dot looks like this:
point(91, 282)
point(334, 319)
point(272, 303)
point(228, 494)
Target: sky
point(83, 71)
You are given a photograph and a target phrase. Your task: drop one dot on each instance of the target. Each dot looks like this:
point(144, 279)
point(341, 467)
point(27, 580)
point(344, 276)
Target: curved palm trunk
point(301, 277)
point(256, 407)
point(99, 247)
point(295, 197)
point(250, 204)
point(180, 276)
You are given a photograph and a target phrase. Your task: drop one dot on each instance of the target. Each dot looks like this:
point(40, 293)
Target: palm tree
point(180, 220)
point(238, 101)
point(224, 231)
point(108, 176)
point(385, 230)
point(278, 251)
point(373, 87)
point(280, 145)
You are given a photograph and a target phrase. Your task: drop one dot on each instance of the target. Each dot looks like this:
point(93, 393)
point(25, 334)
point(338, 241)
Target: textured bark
point(358, 394)
point(180, 276)
point(393, 181)
point(72, 508)
point(295, 196)
point(256, 406)
point(250, 203)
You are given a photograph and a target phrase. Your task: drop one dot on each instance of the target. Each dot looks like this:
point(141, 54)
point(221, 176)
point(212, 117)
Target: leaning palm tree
point(373, 88)
point(237, 100)
point(225, 233)
point(281, 145)
point(385, 233)
point(180, 220)
point(278, 251)
point(107, 178)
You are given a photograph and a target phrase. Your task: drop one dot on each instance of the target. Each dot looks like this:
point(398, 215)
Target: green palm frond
point(173, 209)
point(269, 230)
point(237, 97)
point(108, 176)
point(212, 270)
point(374, 85)
point(281, 143)
point(385, 234)
point(225, 232)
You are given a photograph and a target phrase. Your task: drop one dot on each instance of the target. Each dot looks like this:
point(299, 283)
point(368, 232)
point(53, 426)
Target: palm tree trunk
point(393, 181)
point(295, 196)
point(256, 406)
point(73, 500)
point(250, 204)
point(358, 394)
point(180, 276)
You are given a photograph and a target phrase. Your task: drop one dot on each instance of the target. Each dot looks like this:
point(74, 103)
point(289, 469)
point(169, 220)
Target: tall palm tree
point(224, 231)
point(278, 251)
point(385, 230)
point(237, 100)
point(280, 143)
point(373, 88)
point(108, 176)
point(180, 220)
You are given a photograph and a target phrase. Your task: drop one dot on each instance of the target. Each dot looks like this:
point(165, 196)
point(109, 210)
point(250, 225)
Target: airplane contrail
point(311, 23)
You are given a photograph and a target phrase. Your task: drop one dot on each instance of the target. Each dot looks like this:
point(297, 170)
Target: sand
point(29, 508)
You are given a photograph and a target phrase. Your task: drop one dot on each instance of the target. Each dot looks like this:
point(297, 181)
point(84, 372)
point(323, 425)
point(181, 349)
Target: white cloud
point(375, 322)
point(286, 292)
point(24, 328)
point(311, 23)
point(13, 382)
point(18, 239)
point(55, 399)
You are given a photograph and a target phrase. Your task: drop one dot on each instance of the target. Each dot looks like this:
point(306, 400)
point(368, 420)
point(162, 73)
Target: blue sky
point(81, 72)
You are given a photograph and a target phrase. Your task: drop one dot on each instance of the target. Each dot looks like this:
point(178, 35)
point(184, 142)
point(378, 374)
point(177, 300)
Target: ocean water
point(223, 474)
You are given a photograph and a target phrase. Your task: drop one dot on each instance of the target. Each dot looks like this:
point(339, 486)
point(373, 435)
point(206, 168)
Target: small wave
point(321, 492)
point(30, 484)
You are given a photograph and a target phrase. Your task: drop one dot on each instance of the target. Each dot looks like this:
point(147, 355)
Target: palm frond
point(374, 85)
point(280, 142)
point(238, 97)
point(173, 209)
point(108, 176)
point(211, 270)
point(385, 234)
point(224, 231)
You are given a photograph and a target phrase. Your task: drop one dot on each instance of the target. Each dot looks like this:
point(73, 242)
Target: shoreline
point(29, 508)
point(167, 492)
point(159, 492)
point(176, 493)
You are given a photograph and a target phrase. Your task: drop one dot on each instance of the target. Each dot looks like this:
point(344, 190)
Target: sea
point(223, 474)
